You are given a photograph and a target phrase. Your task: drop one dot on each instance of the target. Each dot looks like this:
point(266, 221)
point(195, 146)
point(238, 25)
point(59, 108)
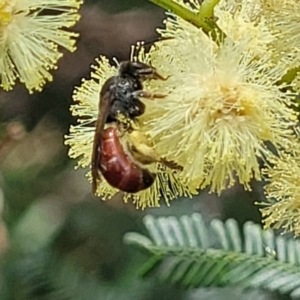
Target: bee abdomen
point(118, 169)
point(136, 179)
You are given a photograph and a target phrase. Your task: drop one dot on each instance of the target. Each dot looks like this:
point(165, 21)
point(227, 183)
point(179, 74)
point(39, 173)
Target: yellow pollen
point(5, 12)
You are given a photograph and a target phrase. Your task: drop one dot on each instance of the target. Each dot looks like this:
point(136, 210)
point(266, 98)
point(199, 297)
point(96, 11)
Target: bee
point(122, 163)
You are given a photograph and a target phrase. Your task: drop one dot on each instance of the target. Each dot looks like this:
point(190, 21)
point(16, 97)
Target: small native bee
point(122, 165)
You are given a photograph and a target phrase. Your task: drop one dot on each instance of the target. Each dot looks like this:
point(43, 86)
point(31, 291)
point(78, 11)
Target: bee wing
point(106, 98)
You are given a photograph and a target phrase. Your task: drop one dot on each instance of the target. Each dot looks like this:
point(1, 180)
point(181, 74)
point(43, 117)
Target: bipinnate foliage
point(188, 252)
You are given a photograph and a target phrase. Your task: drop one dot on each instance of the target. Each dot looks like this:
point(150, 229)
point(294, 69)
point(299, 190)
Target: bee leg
point(146, 94)
point(151, 73)
point(158, 76)
point(140, 148)
point(136, 109)
point(171, 164)
point(147, 154)
point(144, 153)
point(144, 70)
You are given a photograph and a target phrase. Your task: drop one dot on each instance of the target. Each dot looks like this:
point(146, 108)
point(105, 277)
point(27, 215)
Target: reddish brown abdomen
point(117, 167)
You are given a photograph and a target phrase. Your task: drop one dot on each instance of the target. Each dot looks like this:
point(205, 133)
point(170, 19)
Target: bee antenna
point(116, 61)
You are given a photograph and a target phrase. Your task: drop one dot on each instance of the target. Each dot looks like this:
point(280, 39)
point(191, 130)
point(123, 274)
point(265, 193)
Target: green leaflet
point(191, 253)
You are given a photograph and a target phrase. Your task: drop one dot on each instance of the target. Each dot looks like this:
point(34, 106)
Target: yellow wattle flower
point(30, 33)
point(277, 25)
point(282, 210)
point(223, 103)
point(240, 20)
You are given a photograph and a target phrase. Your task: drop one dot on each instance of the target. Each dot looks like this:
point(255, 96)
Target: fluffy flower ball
point(223, 103)
point(282, 209)
point(30, 33)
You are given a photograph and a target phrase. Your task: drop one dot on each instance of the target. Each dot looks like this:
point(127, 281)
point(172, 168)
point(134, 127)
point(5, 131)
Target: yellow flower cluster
point(283, 193)
point(223, 104)
point(271, 25)
point(30, 33)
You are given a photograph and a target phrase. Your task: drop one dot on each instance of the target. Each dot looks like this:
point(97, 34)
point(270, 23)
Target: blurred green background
point(58, 241)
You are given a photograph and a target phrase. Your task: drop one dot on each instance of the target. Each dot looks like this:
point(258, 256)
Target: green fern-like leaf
point(188, 252)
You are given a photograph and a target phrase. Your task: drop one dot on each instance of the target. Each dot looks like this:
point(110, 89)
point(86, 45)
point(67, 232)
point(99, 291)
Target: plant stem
point(207, 8)
point(202, 19)
point(184, 13)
